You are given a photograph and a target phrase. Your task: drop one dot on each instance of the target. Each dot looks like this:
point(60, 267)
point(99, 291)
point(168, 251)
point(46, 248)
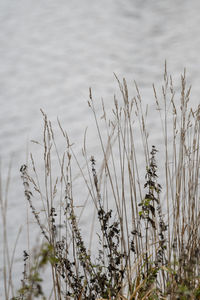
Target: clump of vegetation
point(148, 225)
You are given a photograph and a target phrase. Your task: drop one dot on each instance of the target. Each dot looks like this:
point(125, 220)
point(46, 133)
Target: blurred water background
point(51, 52)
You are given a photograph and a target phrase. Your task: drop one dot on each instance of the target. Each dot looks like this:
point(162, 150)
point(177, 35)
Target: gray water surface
point(51, 52)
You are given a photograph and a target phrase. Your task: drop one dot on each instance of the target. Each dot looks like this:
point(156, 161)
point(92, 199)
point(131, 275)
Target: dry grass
point(148, 224)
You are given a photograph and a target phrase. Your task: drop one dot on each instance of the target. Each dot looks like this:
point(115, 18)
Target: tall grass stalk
point(8, 252)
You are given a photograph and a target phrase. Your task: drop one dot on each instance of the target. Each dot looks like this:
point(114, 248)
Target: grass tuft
point(146, 205)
